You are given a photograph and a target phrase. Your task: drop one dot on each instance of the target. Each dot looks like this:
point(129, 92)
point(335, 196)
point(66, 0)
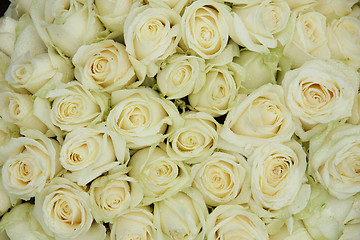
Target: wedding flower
point(261, 117)
point(137, 223)
point(7, 131)
point(158, 174)
point(223, 178)
point(151, 34)
point(334, 160)
point(87, 153)
point(7, 35)
point(18, 109)
point(231, 221)
point(308, 40)
point(113, 194)
point(278, 177)
point(29, 162)
point(63, 210)
point(103, 65)
point(66, 24)
point(257, 26)
point(196, 139)
point(141, 116)
point(343, 39)
point(5, 203)
point(74, 106)
point(220, 91)
point(320, 92)
point(205, 28)
point(182, 216)
point(181, 76)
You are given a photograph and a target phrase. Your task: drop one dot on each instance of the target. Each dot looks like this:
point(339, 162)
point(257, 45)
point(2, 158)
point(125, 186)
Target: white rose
point(74, 106)
point(278, 179)
point(30, 161)
point(17, 8)
point(158, 174)
point(182, 216)
point(7, 131)
point(261, 117)
point(220, 91)
point(137, 223)
point(260, 68)
point(63, 210)
point(308, 40)
point(32, 73)
point(141, 116)
point(113, 194)
point(177, 5)
point(334, 8)
point(5, 203)
point(19, 223)
point(66, 24)
point(343, 39)
point(103, 65)
point(257, 27)
point(151, 35)
point(205, 28)
point(223, 178)
point(17, 108)
point(298, 232)
point(232, 221)
point(320, 92)
point(196, 139)
point(113, 13)
point(87, 153)
point(334, 160)
point(181, 76)
point(7, 35)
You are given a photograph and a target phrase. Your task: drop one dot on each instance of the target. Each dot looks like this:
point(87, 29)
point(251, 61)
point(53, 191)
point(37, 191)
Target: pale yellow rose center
point(152, 29)
point(66, 211)
point(23, 170)
point(276, 169)
point(349, 167)
point(100, 68)
point(218, 180)
point(181, 75)
point(162, 172)
point(70, 108)
point(317, 96)
point(272, 18)
point(311, 30)
point(133, 117)
point(190, 140)
point(22, 73)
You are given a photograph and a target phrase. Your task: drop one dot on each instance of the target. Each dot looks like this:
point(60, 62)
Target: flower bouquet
point(180, 119)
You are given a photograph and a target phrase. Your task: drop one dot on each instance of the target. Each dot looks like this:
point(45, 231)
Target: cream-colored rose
point(7, 35)
point(278, 180)
point(308, 40)
point(17, 108)
point(232, 221)
point(261, 117)
point(113, 194)
point(223, 178)
point(260, 68)
point(158, 174)
point(151, 35)
point(343, 38)
point(320, 92)
point(181, 76)
point(87, 153)
point(7, 131)
point(19, 224)
point(42, 71)
point(74, 106)
point(334, 8)
point(177, 5)
point(298, 232)
point(195, 140)
point(137, 223)
point(103, 65)
point(29, 162)
point(66, 24)
point(17, 8)
point(113, 13)
point(205, 28)
point(220, 91)
point(258, 26)
point(63, 210)
point(141, 116)
point(334, 160)
point(5, 203)
point(182, 216)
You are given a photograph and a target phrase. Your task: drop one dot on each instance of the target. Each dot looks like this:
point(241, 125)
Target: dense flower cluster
point(180, 119)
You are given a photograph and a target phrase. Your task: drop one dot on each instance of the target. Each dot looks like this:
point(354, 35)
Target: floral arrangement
point(180, 119)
